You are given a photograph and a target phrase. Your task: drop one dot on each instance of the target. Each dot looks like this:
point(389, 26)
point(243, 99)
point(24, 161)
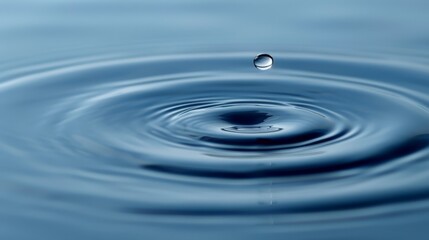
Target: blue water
point(148, 120)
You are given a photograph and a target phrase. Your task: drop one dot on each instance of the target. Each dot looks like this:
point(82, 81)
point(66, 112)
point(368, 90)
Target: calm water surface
point(148, 120)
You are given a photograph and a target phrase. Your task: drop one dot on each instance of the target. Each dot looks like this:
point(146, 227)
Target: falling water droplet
point(263, 61)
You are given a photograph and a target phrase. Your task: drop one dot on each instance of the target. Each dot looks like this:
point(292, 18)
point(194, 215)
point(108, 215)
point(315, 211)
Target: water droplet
point(263, 61)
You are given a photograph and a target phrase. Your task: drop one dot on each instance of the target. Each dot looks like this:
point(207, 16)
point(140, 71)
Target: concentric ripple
point(319, 136)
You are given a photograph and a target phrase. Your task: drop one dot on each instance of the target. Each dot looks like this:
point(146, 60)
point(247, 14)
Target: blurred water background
point(147, 120)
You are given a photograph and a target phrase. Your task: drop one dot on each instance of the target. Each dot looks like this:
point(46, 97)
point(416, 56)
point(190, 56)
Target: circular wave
point(210, 135)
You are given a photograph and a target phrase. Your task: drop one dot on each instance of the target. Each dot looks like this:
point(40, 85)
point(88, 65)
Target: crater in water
point(249, 117)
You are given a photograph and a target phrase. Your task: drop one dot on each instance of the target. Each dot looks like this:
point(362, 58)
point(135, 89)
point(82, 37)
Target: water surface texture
point(148, 120)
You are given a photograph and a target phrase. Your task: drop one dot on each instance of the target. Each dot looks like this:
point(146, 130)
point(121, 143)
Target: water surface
point(148, 120)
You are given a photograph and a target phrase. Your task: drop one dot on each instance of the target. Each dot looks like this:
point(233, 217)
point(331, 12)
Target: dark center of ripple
point(248, 122)
point(251, 126)
point(250, 117)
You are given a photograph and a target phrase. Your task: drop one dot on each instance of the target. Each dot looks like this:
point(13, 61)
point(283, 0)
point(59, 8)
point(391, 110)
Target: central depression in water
point(192, 138)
